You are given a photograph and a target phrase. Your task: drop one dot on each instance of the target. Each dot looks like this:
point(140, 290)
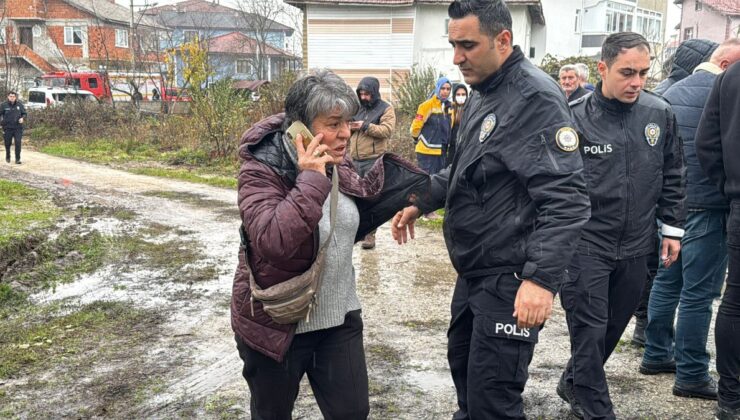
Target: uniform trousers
point(488, 354)
point(599, 297)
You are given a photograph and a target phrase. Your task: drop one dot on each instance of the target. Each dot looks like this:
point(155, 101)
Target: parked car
point(43, 97)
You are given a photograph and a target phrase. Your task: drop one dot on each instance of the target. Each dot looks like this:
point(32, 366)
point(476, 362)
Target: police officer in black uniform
point(12, 114)
point(515, 200)
point(633, 162)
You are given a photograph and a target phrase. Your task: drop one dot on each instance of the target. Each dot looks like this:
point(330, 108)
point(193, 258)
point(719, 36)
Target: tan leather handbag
point(292, 300)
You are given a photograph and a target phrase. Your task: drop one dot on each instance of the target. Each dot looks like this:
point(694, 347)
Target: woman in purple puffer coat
point(284, 204)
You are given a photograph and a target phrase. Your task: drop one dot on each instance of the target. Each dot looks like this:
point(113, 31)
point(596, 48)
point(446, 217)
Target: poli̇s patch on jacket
point(486, 127)
point(652, 134)
point(567, 139)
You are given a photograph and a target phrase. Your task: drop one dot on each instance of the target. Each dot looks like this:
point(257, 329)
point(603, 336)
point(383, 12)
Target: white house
point(579, 27)
point(387, 38)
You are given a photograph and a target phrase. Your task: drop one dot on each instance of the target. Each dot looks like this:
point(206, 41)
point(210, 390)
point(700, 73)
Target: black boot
point(723, 413)
point(706, 390)
point(638, 337)
point(565, 392)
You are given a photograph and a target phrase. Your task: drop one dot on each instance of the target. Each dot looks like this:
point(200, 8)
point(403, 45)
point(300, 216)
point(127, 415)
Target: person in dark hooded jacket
point(717, 148)
point(689, 54)
point(372, 128)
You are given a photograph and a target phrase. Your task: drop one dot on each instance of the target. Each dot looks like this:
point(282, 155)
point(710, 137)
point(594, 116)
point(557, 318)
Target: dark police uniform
point(633, 161)
point(10, 114)
point(515, 200)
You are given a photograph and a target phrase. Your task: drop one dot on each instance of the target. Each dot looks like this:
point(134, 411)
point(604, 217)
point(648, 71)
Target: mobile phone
point(299, 128)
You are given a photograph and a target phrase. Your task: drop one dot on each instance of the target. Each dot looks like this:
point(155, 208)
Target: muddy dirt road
point(188, 361)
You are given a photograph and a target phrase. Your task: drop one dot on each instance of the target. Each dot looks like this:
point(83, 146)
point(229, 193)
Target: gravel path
point(405, 293)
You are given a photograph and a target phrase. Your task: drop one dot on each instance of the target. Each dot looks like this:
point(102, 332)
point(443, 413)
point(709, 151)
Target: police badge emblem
point(486, 127)
point(567, 139)
point(652, 134)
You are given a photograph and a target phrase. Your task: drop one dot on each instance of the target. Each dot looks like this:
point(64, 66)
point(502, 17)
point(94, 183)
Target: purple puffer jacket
point(280, 210)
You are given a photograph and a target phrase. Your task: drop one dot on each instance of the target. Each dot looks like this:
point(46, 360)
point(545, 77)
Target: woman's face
point(335, 129)
point(461, 95)
point(444, 91)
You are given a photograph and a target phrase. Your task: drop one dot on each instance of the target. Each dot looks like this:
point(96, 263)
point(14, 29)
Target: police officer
point(12, 114)
point(633, 161)
point(515, 200)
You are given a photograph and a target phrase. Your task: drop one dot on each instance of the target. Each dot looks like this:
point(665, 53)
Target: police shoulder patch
point(652, 134)
point(567, 139)
point(487, 126)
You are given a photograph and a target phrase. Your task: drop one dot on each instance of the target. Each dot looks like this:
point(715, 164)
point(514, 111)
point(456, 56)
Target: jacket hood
point(690, 54)
point(441, 82)
point(372, 85)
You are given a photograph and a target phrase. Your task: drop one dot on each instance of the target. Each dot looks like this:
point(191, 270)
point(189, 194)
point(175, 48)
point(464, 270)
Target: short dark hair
point(493, 15)
point(615, 43)
point(12, 93)
point(320, 91)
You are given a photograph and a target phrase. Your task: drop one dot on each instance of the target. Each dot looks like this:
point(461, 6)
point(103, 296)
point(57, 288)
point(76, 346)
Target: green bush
point(220, 115)
point(83, 118)
point(414, 89)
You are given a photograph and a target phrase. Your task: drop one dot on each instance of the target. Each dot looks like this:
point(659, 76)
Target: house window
point(649, 24)
point(122, 38)
point(243, 67)
point(688, 33)
point(73, 35)
point(698, 6)
point(93, 83)
point(619, 17)
point(189, 35)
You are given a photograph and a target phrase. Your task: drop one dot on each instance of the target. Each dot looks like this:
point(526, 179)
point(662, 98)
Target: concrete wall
point(707, 23)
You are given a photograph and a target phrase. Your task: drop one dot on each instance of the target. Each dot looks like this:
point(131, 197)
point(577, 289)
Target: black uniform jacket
point(10, 114)
point(515, 201)
point(634, 161)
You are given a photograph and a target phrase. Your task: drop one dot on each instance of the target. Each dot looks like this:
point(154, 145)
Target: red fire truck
point(116, 86)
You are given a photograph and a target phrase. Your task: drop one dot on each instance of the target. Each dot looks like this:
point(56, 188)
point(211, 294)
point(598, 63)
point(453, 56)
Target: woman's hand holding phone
point(313, 157)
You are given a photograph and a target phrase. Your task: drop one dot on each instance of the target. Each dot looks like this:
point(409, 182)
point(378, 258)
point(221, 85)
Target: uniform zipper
point(549, 153)
point(627, 198)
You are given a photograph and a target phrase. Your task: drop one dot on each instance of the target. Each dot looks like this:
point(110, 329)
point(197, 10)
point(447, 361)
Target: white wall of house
point(431, 47)
point(358, 41)
point(521, 27)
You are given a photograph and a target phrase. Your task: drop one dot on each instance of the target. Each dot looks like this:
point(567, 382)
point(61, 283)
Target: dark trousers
point(430, 163)
point(727, 327)
point(333, 359)
point(599, 299)
point(653, 260)
point(8, 135)
point(489, 356)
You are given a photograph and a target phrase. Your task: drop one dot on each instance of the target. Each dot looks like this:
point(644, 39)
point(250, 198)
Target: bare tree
point(260, 17)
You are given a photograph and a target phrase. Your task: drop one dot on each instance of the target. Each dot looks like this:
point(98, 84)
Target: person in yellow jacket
point(431, 128)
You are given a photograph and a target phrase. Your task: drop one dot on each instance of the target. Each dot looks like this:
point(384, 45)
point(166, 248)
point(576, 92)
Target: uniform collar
point(612, 105)
point(495, 79)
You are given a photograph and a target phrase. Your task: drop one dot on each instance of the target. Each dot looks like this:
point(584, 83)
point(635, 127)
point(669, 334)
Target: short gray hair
point(568, 67)
point(317, 93)
point(583, 71)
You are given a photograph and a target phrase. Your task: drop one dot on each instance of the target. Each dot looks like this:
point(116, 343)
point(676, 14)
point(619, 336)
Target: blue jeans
point(691, 284)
